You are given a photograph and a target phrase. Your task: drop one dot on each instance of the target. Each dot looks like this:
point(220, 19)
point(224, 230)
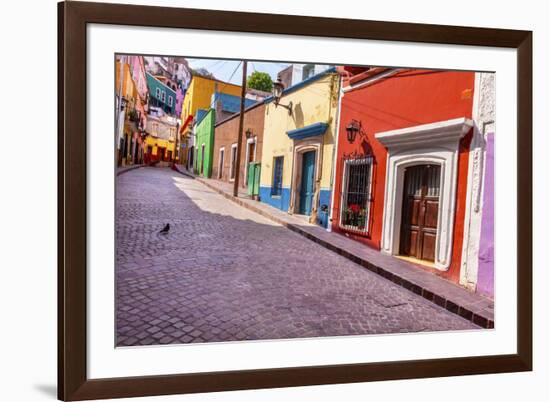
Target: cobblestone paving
point(224, 273)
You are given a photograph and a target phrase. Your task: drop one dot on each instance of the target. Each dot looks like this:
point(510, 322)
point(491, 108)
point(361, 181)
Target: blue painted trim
point(324, 199)
point(307, 131)
point(302, 84)
point(199, 121)
point(199, 115)
point(231, 103)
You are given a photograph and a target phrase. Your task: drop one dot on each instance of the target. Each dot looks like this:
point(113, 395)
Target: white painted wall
point(483, 114)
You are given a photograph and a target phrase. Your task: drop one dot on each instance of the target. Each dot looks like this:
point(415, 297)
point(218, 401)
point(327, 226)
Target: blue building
point(161, 95)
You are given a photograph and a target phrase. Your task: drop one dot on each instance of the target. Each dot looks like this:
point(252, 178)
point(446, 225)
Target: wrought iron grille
point(277, 187)
point(356, 194)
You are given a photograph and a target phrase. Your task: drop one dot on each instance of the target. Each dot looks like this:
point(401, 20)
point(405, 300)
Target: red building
point(402, 163)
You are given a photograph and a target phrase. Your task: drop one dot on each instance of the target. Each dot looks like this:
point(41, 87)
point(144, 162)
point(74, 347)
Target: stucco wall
point(477, 260)
point(205, 135)
point(226, 134)
point(313, 103)
point(408, 98)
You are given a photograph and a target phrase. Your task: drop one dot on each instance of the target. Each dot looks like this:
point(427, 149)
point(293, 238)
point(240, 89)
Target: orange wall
point(409, 98)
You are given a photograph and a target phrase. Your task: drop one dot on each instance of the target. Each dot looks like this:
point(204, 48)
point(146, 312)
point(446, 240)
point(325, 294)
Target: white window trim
point(345, 177)
point(158, 93)
point(221, 162)
point(231, 162)
point(245, 167)
point(435, 143)
point(170, 100)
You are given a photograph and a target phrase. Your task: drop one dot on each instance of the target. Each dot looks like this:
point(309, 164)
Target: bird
point(165, 229)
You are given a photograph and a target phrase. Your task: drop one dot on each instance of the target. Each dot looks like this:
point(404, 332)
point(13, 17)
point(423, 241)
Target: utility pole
point(240, 138)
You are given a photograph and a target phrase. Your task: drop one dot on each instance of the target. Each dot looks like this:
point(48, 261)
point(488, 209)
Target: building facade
point(204, 144)
point(131, 100)
point(226, 134)
point(477, 268)
point(296, 73)
point(199, 97)
point(403, 161)
point(160, 141)
point(226, 105)
point(298, 143)
point(161, 95)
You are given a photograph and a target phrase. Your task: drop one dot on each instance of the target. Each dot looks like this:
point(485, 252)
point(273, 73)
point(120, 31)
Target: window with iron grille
point(277, 187)
point(356, 195)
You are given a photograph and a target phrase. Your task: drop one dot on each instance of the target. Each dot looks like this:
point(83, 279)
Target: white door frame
point(434, 143)
point(221, 161)
point(300, 148)
point(231, 162)
point(245, 167)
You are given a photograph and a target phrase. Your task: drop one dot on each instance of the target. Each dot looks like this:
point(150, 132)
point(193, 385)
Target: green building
point(161, 95)
point(204, 144)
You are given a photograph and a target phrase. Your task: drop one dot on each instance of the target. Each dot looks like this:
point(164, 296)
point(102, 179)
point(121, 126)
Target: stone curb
point(441, 300)
point(127, 169)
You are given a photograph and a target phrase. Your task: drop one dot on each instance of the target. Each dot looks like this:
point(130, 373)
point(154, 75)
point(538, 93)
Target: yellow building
point(161, 139)
point(199, 96)
point(297, 152)
point(200, 91)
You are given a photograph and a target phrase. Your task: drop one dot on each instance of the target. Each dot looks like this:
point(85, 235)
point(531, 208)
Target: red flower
point(355, 208)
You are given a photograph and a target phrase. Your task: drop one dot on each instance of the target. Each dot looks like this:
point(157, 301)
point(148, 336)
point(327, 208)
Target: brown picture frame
point(73, 383)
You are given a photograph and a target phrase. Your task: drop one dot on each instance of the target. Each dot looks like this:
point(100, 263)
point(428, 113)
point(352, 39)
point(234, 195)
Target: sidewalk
point(473, 307)
point(124, 169)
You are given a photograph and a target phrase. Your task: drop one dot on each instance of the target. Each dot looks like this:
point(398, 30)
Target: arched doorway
point(420, 211)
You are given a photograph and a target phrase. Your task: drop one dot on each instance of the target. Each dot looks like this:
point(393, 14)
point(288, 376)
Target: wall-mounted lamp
point(278, 88)
point(248, 133)
point(123, 103)
point(352, 129)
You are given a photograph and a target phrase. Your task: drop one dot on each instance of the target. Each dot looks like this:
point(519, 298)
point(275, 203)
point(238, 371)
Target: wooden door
point(251, 151)
point(308, 178)
point(420, 211)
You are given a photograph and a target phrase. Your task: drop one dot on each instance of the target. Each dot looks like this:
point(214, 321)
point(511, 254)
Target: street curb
point(129, 168)
point(441, 300)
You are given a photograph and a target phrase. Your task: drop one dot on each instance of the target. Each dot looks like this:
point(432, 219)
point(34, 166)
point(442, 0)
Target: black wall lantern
point(277, 91)
point(123, 103)
point(352, 129)
point(248, 133)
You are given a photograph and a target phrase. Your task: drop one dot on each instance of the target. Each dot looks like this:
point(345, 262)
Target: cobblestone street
point(225, 273)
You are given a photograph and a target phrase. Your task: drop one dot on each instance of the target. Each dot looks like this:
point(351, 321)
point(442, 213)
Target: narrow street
point(225, 273)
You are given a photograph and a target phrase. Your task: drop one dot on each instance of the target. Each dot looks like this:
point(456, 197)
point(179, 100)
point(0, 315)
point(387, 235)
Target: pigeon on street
point(165, 229)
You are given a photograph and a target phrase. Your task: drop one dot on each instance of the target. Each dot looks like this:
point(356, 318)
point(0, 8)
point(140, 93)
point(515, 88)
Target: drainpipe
point(335, 154)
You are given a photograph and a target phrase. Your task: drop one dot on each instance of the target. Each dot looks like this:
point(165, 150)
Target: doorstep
point(457, 300)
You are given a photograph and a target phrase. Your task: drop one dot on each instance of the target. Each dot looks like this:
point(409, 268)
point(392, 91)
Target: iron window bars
point(356, 195)
point(277, 187)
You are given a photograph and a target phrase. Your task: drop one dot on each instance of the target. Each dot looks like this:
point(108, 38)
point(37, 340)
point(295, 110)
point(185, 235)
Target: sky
point(231, 71)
